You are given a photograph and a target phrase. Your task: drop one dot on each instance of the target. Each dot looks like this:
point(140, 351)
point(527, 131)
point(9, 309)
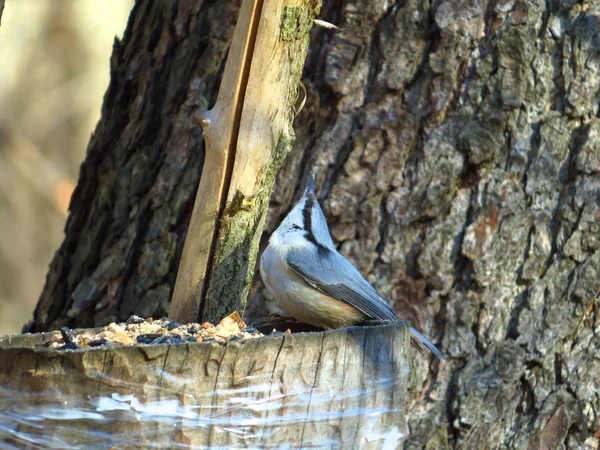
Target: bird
point(314, 283)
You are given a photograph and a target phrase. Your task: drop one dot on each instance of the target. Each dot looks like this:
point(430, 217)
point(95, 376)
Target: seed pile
point(137, 330)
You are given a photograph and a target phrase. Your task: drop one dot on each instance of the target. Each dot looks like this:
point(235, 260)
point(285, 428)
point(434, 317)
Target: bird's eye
point(296, 227)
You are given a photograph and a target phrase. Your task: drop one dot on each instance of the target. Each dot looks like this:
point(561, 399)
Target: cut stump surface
point(335, 389)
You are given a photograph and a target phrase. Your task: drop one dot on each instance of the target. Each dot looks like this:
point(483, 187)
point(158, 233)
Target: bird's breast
point(301, 300)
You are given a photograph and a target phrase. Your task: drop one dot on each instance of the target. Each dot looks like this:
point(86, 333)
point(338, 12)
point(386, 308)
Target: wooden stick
point(247, 135)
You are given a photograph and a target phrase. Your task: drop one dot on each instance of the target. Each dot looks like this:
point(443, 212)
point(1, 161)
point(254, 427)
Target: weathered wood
point(336, 389)
point(220, 128)
point(248, 133)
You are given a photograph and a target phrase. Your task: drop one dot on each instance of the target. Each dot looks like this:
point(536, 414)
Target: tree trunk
point(457, 151)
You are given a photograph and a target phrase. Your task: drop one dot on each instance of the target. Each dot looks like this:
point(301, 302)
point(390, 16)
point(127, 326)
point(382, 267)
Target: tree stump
point(336, 389)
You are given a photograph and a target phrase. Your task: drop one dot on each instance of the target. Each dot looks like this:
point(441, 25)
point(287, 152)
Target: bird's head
point(305, 224)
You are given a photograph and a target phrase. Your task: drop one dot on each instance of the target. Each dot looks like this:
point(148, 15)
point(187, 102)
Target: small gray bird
point(313, 282)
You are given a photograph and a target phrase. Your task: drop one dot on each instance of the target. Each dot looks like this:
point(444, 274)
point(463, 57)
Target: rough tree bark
point(457, 146)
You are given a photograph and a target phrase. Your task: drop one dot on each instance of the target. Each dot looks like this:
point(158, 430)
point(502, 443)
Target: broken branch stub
point(247, 134)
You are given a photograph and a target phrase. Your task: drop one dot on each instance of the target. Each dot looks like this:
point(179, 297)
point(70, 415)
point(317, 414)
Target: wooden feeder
point(337, 389)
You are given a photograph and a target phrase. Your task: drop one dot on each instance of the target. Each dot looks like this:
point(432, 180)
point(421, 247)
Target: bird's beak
point(310, 186)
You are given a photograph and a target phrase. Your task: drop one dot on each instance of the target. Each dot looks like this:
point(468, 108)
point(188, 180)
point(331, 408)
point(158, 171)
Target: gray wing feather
point(334, 275)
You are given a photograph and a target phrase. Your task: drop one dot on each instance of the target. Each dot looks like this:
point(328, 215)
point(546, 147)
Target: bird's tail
point(421, 341)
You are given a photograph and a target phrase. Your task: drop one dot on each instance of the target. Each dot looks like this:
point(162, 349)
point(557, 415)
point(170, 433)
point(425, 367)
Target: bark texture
point(457, 146)
point(136, 189)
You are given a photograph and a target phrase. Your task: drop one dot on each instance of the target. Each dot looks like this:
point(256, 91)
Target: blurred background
point(54, 70)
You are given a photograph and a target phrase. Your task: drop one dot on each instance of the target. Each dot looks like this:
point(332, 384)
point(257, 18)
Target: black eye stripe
point(307, 216)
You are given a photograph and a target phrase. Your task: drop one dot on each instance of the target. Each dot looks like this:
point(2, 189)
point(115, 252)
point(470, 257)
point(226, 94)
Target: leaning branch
point(247, 134)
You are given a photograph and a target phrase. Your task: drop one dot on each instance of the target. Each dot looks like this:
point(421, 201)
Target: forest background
point(54, 71)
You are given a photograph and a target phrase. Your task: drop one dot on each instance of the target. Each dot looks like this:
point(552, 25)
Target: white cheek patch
point(291, 240)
